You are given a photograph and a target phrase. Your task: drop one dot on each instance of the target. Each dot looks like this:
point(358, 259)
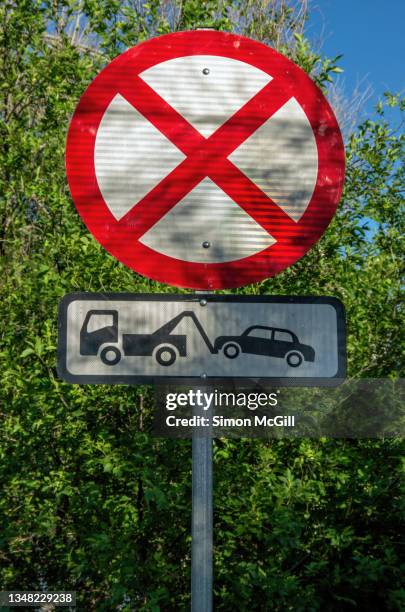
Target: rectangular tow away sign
point(124, 338)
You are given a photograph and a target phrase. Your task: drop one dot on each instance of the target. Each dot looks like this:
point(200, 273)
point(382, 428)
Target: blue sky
point(371, 36)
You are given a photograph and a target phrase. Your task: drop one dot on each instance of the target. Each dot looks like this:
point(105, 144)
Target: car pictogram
point(269, 341)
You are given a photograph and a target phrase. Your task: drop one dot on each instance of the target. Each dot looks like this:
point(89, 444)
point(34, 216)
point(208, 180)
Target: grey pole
point(202, 526)
point(201, 521)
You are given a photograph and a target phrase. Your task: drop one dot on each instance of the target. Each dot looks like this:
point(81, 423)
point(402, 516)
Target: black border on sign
point(64, 374)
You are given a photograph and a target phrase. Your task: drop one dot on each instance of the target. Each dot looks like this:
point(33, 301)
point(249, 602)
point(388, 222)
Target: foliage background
point(90, 501)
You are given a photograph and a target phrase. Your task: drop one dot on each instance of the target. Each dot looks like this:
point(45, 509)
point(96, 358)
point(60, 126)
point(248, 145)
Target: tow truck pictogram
point(99, 335)
point(162, 345)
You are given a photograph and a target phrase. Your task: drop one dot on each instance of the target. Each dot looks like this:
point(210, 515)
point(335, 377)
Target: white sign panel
point(133, 338)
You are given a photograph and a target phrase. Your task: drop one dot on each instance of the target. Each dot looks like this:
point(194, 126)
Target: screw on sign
point(205, 160)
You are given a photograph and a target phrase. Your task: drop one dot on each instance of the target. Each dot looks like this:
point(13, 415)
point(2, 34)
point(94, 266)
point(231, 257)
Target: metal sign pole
point(201, 525)
point(202, 521)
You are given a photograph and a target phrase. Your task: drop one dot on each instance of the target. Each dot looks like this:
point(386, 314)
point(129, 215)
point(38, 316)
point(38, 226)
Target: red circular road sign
point(205, 160)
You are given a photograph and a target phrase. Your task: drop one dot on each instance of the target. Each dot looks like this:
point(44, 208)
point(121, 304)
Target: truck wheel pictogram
point(294, 359)
point(231, 350)
point(110, 355)
point(165, 355)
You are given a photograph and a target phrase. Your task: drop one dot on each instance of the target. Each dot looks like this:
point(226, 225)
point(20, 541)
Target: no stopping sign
point(205, 160)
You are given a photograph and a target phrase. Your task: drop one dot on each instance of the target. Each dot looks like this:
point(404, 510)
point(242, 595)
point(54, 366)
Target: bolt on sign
point(205, 160)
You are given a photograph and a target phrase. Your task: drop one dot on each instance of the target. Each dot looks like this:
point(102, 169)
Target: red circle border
point(116, 238)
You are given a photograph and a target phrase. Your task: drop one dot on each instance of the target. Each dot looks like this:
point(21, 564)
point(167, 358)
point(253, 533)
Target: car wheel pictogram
point(165, 355)
point(110, 355)
point(231, 350)
point(294, 359)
